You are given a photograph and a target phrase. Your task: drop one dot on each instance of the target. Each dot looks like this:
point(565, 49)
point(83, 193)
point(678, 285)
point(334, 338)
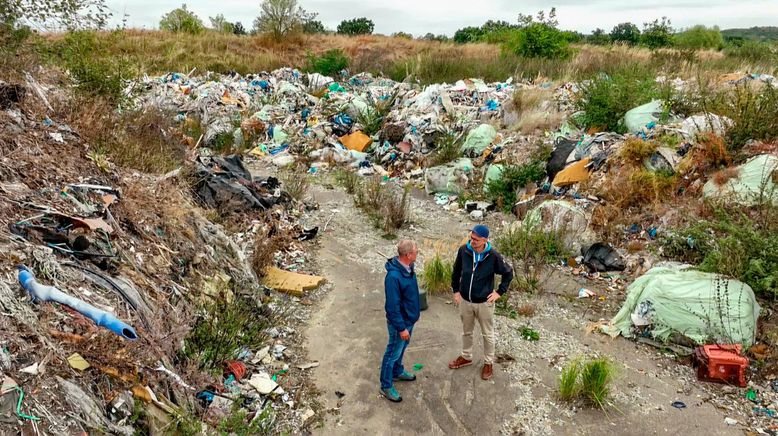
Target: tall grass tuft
point(568, 381)
point(436, 276)
point(596, 376)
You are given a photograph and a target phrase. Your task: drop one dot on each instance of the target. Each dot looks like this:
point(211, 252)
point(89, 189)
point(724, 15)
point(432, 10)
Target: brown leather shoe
point(459, 362)
point(486, 371)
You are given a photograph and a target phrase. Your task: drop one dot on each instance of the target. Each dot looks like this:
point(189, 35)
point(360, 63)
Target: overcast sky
point(446, 16)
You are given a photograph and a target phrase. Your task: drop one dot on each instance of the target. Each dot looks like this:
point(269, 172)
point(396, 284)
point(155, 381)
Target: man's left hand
point(494, 296)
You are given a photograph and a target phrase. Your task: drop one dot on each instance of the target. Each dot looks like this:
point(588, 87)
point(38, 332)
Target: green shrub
point(699, 37)
point(596, 377)
point(329, 64)
point(502, 191)
point(538, 37)
point(225, 327)
point(94, 75)
point(752, 51)
point(436, 275)
point(372, 117)
point(533, 248)
point(754, 113)
point(605, 99)
point(737, 242)
point(349, 180)
point(625, 33)
point(447, 148)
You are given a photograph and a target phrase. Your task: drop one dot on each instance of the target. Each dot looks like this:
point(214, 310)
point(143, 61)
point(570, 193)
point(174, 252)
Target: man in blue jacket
point(402, 311)
point(472, 282)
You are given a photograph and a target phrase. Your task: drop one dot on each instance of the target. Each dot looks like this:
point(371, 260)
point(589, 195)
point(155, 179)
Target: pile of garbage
point(105, 274)
point(374, 125)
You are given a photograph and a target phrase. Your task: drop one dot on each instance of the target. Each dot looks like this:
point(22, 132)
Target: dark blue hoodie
point(402, 295)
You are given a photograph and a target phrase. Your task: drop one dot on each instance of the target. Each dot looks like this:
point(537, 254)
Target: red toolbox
point(721, 363)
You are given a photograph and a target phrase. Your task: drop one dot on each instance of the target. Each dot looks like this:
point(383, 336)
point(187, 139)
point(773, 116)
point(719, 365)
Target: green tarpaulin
point(755, 183)
point(478, 139)
point(704, 307)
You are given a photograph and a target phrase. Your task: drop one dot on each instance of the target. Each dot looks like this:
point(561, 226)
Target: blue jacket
point(402, 295)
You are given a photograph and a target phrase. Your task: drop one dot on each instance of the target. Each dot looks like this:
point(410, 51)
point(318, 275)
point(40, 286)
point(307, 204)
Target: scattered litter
point(679, 404)
point(77, 362)
point(730, 421)
point(339, 394)
point(418, 366)
point(586, 293)
point(308, 365)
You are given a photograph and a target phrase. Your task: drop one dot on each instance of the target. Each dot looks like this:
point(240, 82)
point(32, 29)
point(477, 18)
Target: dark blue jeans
point(392, 364)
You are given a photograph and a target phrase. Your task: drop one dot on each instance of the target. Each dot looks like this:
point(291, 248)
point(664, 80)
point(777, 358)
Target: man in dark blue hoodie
point(402, 311)
point(472, 282)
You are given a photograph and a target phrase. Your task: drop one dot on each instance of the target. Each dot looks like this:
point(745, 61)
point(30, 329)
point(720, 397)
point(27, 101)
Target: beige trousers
point(484, 313)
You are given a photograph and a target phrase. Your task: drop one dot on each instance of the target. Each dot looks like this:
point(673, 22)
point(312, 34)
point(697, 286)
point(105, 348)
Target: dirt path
point(347, 335)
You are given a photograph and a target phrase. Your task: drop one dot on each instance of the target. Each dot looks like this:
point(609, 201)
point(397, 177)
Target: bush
point(226, 326)
point(736, 242)
point(372, 118)
point(93, 75)
point(754, 113)
point(396, 210)
point(605, 99)
point(436, 275)
point(356, 26)
point(752, 51)
point(468, 34)
point(539, 38)
point(447, 148)
point(514, 177)
point(329, 64)
point(182, 20)
point(295, 183)
point(533, 248)
point(699, 37)
point(312, 27)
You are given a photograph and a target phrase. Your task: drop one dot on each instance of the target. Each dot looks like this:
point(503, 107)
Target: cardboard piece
point(289, 282)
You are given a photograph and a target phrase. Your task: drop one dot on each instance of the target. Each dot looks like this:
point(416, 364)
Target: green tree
point(181, 20)
point(313, 26)
point(538, 37)
point(468, 34)
point(220, 24)
point(356, 26)
point(402, 35)
point(598, 37)
point(238, 28)
point(700, 37)
point(625, 33)
point(279, 18)
point(657, 34)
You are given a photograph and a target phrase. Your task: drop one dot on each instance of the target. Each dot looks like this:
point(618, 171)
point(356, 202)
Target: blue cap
point(481, 230)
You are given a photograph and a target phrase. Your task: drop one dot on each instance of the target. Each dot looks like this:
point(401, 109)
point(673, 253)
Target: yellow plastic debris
point(77, 362)
point(356, 141)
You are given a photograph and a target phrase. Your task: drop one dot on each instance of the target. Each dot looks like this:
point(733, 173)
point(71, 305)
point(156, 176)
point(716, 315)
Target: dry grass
point(723, 176)
point(143, 140)
point(527, 310)
point(635, 150)
point(157, 52)
point(538, 120)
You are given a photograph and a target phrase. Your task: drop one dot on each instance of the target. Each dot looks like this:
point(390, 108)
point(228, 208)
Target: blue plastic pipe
point(49, 293)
